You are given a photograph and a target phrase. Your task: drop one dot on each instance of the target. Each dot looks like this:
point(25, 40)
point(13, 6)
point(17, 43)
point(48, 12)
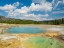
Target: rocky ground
point(15, 40)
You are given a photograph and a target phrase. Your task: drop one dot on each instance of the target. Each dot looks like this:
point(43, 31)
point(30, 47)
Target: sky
point(37, 10)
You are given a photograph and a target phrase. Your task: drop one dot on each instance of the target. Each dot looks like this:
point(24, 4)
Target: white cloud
point(29, 16)
point(41, 7)
point(58, 12)
point(39, 19)
point(9, 7)
point(63, 1)
point(38, 1)
point(55, 3)
point(35, 7)
point(35, 18)
point(23, 12)
point(16, 4)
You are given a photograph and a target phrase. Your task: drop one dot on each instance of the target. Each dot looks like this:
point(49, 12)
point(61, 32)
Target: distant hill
point(19, 21)
point(2, 18)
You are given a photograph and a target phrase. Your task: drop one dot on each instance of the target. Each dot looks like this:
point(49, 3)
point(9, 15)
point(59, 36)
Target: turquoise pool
point(42, 42)
point(25, 30)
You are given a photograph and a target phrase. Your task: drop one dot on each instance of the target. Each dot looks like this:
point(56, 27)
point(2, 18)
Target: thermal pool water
point(25, 30)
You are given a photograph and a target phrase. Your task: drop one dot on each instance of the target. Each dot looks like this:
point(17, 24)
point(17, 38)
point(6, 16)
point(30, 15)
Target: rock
point(9, 41)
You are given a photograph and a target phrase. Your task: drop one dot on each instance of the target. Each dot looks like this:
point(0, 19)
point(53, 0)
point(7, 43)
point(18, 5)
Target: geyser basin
point(25, 30)
point(41, 42)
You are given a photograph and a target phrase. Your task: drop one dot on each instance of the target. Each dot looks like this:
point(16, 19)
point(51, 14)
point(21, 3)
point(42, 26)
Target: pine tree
point(62, 20)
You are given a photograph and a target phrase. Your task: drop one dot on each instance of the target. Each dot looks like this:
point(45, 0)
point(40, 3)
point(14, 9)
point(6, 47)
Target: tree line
point(19, 21)
point(56, 21)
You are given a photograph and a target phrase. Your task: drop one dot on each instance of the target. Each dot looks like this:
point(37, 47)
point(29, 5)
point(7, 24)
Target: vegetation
point(18, 21)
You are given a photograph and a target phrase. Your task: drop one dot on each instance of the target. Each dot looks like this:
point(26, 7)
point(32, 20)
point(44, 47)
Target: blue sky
point(37, 10)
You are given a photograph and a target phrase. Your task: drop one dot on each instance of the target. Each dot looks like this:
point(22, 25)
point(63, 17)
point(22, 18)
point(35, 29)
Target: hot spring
point(25, 30)
point(42, 42)
point(35, 41)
